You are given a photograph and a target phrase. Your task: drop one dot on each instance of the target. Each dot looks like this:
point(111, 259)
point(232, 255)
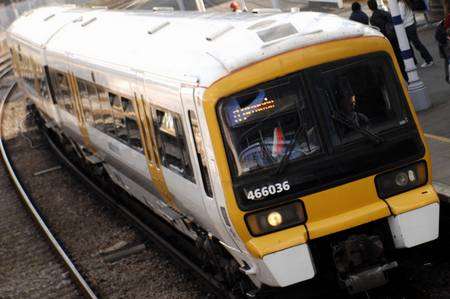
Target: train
point(285, 141)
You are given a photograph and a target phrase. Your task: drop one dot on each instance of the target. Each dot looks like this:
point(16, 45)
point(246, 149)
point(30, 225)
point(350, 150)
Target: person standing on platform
point(411, 31)
point(442, 35)
point(383, 21)
point(358, 15)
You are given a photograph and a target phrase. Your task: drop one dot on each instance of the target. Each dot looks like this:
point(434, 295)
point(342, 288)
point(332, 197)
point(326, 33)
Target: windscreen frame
point(223, 122)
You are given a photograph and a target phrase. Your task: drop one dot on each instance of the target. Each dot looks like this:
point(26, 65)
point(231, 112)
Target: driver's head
point(372, 4)
point(345, 95)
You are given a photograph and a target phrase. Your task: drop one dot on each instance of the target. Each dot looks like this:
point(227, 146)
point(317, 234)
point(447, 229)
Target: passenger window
point(95, 106)
point(119, 117)
point(172, 143)
point(106, 111)
point(201, 154)
point(134, 135)
point(87, 110)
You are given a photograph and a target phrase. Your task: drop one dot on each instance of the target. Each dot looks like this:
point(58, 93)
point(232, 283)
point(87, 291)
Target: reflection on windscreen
point(364, 96)
point(262, 125)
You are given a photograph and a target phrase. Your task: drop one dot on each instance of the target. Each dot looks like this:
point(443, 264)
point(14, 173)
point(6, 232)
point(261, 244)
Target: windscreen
point(360, 96)
point(268, 125)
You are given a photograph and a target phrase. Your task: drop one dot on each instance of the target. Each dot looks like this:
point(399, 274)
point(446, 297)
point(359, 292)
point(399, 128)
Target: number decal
point(260, 193)
point(279, 187)
point(272, 190)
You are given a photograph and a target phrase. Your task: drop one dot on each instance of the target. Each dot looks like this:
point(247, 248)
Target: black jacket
point(359, 16)
point(383, 20)
point(441, 36)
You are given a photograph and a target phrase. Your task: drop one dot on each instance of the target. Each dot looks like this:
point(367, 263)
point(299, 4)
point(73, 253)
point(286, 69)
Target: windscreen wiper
point(342, 119)
point(289, 151)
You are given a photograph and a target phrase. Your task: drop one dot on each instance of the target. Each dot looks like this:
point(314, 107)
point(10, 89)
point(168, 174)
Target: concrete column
point(243, 5)
point(181, 4)
point(276, 4)
point(416, 88)
point(200, 5)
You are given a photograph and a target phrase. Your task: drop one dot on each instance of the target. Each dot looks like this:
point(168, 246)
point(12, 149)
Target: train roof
point(189, 46)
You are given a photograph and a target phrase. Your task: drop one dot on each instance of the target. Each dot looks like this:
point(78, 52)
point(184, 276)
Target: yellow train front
point(319, 150)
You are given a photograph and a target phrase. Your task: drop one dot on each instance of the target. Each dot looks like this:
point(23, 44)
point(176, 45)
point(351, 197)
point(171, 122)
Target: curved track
point(29, 267)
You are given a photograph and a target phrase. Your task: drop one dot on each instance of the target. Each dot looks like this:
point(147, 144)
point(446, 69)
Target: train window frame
point(178, 135)
point(201, 154)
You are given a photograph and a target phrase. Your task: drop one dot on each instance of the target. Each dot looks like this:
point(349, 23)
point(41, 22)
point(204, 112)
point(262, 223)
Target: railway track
point(34, 264)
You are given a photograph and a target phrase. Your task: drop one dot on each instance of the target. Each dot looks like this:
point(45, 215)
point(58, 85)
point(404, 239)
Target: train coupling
point(361, 264)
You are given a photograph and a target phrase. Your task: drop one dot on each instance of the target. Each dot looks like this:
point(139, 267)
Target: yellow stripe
point(438, 138)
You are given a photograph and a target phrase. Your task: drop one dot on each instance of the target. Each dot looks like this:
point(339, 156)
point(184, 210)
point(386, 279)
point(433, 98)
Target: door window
point(172, 143)
point(119, 117)
point(132, 127)
point(106, 112)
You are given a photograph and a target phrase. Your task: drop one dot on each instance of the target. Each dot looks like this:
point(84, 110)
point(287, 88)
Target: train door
point(175, 146)
point(150, 152)
point(145, 123)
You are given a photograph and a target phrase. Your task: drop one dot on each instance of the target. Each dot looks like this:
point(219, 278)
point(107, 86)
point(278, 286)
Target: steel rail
point(77, 277)
point(152, 234)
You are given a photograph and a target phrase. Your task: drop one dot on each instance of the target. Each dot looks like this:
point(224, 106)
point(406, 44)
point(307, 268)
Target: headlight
point(401, 180)
point(275, 219)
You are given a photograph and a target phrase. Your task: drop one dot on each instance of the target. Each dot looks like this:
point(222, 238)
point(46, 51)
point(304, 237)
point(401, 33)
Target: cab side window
point(172, 143)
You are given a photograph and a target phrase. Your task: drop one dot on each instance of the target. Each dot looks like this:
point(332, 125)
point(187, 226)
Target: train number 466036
point(260, 193)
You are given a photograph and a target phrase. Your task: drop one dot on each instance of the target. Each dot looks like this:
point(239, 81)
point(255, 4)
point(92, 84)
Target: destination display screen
point(251, 107)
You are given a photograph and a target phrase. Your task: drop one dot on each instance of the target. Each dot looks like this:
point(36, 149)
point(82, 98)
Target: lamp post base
point(418, 94)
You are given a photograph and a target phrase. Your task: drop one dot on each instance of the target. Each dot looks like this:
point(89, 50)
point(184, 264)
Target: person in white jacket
point(411, 31)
